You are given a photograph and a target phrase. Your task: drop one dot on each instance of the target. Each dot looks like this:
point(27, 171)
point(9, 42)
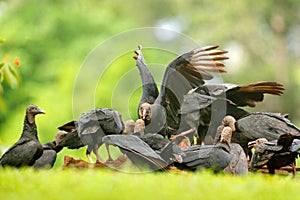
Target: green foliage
point(9, 75)
point(105, 184)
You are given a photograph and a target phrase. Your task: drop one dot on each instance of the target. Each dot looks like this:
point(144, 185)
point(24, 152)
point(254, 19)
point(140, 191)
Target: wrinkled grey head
point(145, 112)
point(229, 121)
point(257, 142)
point(32, 111)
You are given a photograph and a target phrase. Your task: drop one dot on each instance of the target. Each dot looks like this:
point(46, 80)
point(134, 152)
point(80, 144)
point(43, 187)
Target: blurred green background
point(54, 38)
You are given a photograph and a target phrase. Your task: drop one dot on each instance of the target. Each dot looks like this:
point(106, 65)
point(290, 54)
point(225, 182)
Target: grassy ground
point(57, 184)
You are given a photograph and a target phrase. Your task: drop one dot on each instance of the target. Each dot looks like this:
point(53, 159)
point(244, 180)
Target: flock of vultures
point(186, 125)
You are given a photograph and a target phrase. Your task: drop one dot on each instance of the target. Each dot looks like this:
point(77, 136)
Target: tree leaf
point(15, 73)
point(10, 77)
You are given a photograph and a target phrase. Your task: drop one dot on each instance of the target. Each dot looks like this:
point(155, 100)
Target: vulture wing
point(248, 95)
point(238, 164)
point(137, 150)
point(243, 95)
point(22, 153)
point(266, 125)
point(68, 127)
point(263, 153)
point(207, 156)
point(150, 91)
point(185, 73)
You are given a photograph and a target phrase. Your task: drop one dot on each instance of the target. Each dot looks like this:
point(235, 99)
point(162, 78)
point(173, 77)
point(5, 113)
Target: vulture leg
point(294, 168)
point(88, 154)
point(108, 152)
point(271, 170)
point(95, 150)
point(198, 141)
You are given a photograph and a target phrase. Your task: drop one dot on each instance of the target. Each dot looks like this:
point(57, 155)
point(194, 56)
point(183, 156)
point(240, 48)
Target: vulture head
point(32, 111)
point(229, 121)
point(145, 112)
point(257, 142)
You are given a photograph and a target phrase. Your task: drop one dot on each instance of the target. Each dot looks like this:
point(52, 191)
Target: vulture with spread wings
point(208, 104)
point(184, 73)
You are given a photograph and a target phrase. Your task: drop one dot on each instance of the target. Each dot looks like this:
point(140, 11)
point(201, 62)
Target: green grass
point(57, 184)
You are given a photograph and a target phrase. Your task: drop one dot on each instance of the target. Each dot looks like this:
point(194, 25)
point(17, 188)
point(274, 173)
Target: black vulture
point(275, 154)
point(228, 98)
point(48, 158)
point(139, 152)
point(262, 125)
point(226, 121)
point(238, 164)
point(216, 157)
point(28, 148)
point(184, 73)
point(94, 125)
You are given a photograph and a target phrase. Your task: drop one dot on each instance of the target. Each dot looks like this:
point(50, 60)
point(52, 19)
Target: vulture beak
point(257, 142)
point(40, 111)
point(144, 114)
point(251, 144)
